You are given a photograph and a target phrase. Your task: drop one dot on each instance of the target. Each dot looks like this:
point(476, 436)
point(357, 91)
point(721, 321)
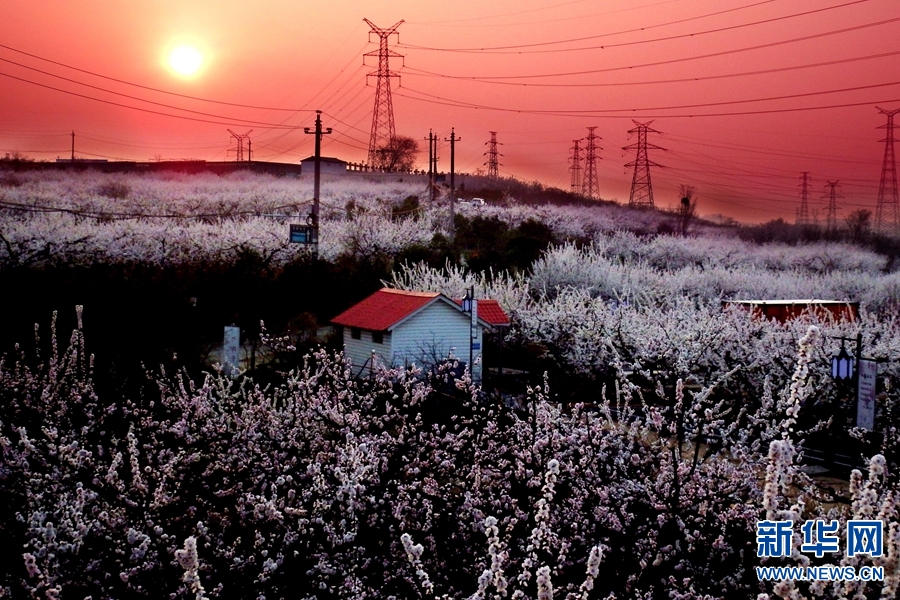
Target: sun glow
point(185, 60)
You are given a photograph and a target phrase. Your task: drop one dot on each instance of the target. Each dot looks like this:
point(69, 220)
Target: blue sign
point(304, 234)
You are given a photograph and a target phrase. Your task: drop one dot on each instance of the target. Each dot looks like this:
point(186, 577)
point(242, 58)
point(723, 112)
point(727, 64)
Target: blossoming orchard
point(642, 442)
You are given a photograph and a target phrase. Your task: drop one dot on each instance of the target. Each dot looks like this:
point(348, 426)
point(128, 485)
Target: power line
point(604, 113)
point(129, 96)
point(828, 63)
point(144, 87)
point(673, 60)
point(123, 216)
point(147, 110)
point(517, 49)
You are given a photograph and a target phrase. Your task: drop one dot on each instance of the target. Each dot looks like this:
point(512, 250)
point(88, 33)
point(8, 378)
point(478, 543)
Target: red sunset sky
point(751, 92)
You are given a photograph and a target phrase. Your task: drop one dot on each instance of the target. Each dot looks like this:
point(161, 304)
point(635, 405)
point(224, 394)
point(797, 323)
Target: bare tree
point(688, 209)
point(399, 154)
point(859, 222)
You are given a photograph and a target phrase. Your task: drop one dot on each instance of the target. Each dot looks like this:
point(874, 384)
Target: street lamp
point(467, 301)
point(842, 365)
point(470, 305)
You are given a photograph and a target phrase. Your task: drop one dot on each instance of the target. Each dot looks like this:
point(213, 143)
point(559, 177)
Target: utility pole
point(453, 139)
point(641, 188)
point(831, 214)
point(432, 139)
point(803, 213)
point(383, 131)
point(249, 150)
point(318, 132)
point(239, 151)
point(887, 212)
point(73, 145)
point(575, 168)
point(591, 186)
point(492, 154)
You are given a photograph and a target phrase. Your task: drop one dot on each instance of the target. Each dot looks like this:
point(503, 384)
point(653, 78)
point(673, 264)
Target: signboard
point(231, 352)
point(865, 394)
point(304, 234)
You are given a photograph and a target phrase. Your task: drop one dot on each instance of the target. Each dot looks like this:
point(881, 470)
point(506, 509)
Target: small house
point(405, 328)
point(327, 166)
point(785, 310)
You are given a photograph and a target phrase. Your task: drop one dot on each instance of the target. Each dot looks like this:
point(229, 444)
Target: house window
point(378, 337)
point(355, 333)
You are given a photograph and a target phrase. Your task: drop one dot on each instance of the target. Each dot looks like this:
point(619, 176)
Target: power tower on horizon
point(831, 223)
point(575, 167)
point(383, 130)
point(492, 154)
point(590, 187)
point(641, 188)
point(239, 149)
point(887, 211)
point(803, 211)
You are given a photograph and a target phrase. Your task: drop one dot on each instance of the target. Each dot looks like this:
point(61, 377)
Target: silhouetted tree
point(688, 209)
point(399, 154)
point(859, 222)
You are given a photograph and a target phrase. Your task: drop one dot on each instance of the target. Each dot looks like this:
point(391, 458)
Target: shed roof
point(324, 159)
point(388, 307)
point(491, 311)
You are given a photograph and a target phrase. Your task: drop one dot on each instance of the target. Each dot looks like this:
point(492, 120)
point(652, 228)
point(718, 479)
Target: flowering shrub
point(323, 486)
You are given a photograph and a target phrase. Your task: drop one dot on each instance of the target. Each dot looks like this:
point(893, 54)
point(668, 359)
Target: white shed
point(327, 166)
point(403, 328)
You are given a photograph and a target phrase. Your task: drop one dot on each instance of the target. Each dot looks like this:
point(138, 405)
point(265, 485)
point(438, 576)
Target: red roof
point(491, 312)
point(387, 307)
point(383, 309)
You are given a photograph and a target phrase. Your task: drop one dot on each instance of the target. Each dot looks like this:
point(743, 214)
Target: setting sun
point(185, 60)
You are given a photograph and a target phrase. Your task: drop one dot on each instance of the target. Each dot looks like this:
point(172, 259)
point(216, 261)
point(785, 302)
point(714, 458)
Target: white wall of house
point(360, 351)
point(326, 167)
point(429, 336)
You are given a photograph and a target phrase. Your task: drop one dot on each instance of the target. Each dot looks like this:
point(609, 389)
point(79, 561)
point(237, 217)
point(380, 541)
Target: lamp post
point(470, 305)
point(844, 367)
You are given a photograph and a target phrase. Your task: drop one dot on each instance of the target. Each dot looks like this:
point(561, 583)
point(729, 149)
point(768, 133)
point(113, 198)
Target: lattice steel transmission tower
point(575, 167)
point(492, 154)
point(641, 188)
point(590, 187)
point(239, 149)
point(887, 211)
point(831, 223)
point(383, 130)
point(803, 211)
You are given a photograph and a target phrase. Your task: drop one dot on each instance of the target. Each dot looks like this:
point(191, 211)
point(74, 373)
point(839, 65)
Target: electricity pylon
point(239, 150)
point(575, 167)
point(803, 213)
point(492, 164)
point(641, 188)
point(590, 187)
point(831, 223)
point(383, 130)
point(887, 211)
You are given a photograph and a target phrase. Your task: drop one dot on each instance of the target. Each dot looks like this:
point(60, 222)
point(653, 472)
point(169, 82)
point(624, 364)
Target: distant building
point(402, 328)
point(784, 310)
point(327, 166)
